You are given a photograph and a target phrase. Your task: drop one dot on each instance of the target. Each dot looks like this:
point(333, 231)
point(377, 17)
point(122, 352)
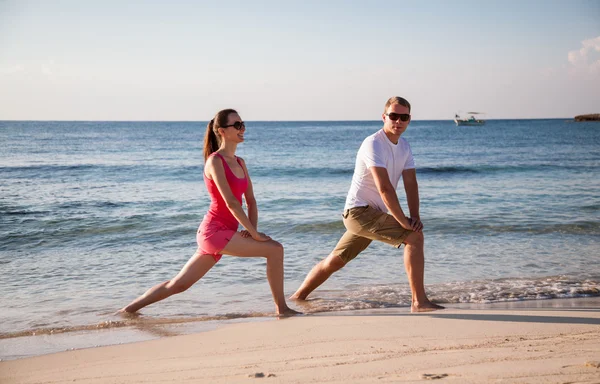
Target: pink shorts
point(212, 237)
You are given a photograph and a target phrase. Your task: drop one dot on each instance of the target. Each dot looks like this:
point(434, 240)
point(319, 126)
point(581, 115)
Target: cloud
point(11, 70)
point(583, 58)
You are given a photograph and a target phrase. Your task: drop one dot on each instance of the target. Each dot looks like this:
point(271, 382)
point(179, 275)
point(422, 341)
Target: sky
point(297, 60)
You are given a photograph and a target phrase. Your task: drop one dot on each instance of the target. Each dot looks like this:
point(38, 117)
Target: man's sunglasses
point(237, 125)
point(395, 116)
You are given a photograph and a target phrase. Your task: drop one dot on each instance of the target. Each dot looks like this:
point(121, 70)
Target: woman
point(226, 178)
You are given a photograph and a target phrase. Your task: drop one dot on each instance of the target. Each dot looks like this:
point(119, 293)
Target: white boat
point(468, 118)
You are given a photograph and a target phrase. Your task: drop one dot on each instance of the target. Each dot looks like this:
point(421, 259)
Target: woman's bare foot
point(122, 312)
point(427, 306)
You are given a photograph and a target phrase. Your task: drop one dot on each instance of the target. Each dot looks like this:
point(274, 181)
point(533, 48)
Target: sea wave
point(25, 230)
point(49, 171)
point(115, 171)
point(488, 169)
point(466, 226)
point(133, 321)
point(336, 226)
point(492, 226)
point(354, 297)
point(301, 172)
point(592, 207)
point(96, 231)
point(476, 292)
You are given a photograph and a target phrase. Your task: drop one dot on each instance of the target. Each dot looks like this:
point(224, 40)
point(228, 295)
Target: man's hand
point(416, 224)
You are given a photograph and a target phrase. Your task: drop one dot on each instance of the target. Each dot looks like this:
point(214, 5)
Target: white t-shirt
point(377, 151)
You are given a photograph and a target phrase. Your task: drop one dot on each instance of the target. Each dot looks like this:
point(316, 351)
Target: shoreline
point(23, 347)
point(556, 343)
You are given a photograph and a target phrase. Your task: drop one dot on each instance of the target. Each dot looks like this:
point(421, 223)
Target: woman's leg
point(192, 271)
point(273, 252)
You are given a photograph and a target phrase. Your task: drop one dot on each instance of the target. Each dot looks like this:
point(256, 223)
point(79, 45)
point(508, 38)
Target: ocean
point(92, 214)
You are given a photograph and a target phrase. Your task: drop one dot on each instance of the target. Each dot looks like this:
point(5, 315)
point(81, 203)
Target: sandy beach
point(462, 345)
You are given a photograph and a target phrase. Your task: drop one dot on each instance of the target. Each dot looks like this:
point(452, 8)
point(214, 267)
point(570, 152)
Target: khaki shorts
point(365, 224)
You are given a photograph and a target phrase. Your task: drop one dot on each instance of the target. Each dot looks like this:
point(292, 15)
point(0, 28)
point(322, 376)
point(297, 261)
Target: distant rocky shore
point(591, 117)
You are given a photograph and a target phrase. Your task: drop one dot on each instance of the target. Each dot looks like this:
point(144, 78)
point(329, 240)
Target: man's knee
point(415, 239)
point(333, 263)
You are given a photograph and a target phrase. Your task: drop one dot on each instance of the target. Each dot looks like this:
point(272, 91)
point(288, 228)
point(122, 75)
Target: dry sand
point(455, 345)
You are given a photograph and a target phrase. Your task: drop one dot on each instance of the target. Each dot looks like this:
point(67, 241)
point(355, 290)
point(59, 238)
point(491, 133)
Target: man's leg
point(376, 225)
point(346, 249)
point(414, 263)
point(318, 275)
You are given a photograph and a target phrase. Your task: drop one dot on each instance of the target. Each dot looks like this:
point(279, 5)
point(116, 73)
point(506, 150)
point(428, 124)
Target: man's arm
point(409, 176)
point(389, 196)
point(411, 187)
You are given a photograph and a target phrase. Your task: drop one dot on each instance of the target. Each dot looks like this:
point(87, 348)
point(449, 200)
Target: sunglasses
point(395, 116)
point(237, 125)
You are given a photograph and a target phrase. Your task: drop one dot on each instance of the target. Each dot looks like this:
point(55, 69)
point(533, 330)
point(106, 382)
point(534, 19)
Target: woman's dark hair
point(212, 140)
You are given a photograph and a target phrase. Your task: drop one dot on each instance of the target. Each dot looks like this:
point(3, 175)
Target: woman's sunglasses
point(237, 125)
point(395, 116)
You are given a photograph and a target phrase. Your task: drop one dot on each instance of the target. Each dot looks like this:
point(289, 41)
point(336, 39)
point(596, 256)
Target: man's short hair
point(396, 100)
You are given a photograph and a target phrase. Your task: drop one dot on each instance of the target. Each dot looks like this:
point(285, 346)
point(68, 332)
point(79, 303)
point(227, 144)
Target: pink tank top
point(218, 208)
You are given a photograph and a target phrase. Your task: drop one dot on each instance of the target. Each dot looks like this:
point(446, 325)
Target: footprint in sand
point(433, 376)
point(260, 375)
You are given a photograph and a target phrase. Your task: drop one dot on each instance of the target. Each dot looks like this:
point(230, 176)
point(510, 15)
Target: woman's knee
point(275, 249)
point(178, 286)
point(278, 245)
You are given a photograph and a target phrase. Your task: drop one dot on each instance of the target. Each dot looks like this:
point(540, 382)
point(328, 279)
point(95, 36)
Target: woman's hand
point(259, 236)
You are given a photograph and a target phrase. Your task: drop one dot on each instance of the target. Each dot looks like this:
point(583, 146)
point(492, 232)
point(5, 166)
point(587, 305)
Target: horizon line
point(264, 121)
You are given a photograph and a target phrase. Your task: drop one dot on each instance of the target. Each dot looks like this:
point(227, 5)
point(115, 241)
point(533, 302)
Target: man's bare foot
point(428, 306)
point(288, 312)
point(296, 296)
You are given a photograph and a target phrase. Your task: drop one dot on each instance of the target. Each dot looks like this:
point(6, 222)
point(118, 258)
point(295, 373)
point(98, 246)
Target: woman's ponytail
point(212, 140)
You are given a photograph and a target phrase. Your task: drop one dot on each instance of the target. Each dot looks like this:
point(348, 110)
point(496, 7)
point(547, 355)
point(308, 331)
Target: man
point(382, 160)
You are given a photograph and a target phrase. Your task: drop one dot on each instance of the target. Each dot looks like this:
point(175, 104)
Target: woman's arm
point(249, 197)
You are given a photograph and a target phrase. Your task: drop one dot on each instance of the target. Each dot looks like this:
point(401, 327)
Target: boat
point(469, 118)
